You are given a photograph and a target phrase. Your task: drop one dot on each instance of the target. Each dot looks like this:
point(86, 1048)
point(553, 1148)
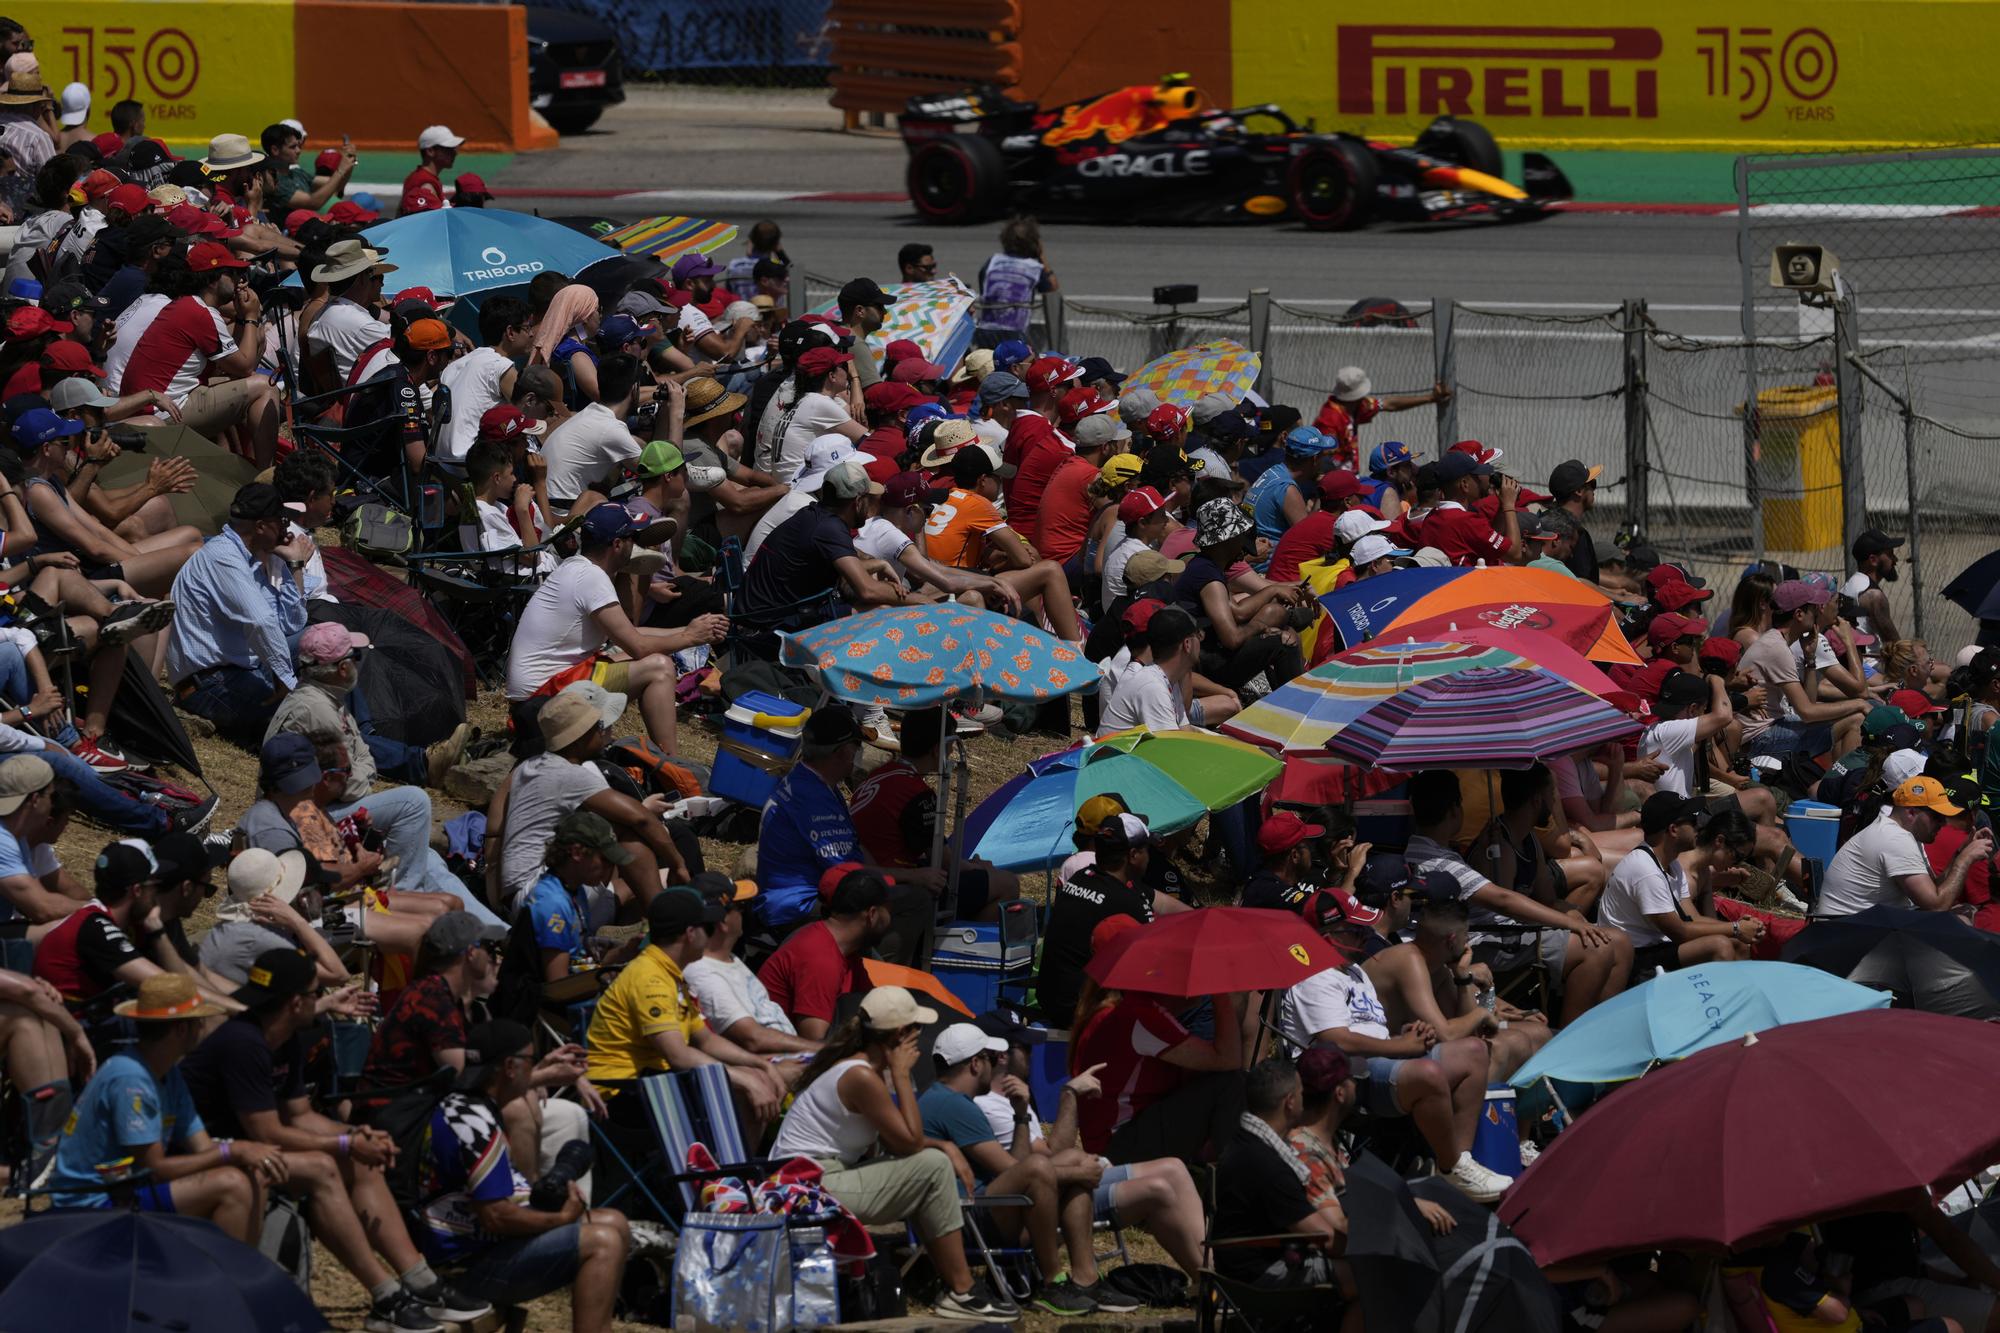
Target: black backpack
point(406, 1118)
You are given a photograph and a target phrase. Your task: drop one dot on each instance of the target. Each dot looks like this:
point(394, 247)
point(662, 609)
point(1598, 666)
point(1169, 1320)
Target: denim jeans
point(17, 686)
point(403, 814)
point(105, 803)
point(236, 699)
point(393, 758)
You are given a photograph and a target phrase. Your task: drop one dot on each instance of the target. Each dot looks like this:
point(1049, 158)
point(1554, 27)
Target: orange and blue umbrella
point(907, 657)
point(1426, 603)
point(1485, 717)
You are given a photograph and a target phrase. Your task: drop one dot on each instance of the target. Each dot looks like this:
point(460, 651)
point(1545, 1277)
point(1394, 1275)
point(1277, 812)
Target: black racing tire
point(958, 179)
point(572, 120)
point(1333, 185)
point(1467, 143)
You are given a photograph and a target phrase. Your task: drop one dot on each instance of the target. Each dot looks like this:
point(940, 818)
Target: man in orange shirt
point(967, 531)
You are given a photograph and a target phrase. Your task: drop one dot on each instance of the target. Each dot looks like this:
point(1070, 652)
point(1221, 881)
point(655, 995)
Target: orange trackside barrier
point(886, 51)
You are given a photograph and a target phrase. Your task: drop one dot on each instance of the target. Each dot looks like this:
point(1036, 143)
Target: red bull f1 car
point(1157, 153)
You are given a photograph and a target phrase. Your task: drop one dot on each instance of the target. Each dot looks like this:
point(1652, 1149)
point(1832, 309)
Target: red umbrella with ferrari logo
point(1213, 951)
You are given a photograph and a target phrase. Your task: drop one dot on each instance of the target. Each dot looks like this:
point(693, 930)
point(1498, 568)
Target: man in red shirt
point(822, 961)
point(1353, 404)
point(202, 352)
point(423, 189)
point(1312, 537)
point(1464, 536)
point(1068, 505)
point(895, 816)
point(888, 405)
point(1034, 445)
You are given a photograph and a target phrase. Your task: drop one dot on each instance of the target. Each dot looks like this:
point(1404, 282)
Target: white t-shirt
point(540, 791)
point(583, 450)
point(1638, 889)
point(1143, 697)
point(791, 502)
point(1000, 1118)
point(346, 330)
point(1858, 583)
point(694, 322)
point(765, 455)
point(883, 540)
point(556, 630)
point(496, 533)
point(1673, 744)
point(729, 992)
point(474, 383)
point(1865, 870)
point(1114, 568)
point(1340, 997)
point(132, 323)
point(811, 417)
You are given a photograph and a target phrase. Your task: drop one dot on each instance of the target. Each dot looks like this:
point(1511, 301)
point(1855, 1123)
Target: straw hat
point(167, 997)
point(25, 88)
point(707, 399)
point(230, 152)
point(946, 440)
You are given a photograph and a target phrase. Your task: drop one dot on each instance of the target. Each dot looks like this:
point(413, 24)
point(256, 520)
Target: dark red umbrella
point(1740, 1143)
point(1213, 951)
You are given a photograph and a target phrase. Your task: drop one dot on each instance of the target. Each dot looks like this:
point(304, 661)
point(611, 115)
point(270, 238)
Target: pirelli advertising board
point(1760, 75)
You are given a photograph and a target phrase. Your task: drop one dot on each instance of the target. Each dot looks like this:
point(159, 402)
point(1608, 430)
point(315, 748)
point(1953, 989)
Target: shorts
point(1782, 739)
point(1102, 1209)
point(1378, 1097)
point(210, 408)
point(154, 1198)
point(615, 677)
point(1512, 953)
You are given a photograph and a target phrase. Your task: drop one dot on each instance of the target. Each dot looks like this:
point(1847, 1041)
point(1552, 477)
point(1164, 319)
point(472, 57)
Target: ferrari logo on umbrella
point(1298, 951)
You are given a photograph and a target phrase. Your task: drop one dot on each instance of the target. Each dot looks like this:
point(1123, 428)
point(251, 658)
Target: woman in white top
point(842, 1111)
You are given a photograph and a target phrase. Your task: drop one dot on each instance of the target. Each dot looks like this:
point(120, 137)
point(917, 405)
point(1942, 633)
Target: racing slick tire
point(1465, 142)
point(960, 178)
point(1333, 185)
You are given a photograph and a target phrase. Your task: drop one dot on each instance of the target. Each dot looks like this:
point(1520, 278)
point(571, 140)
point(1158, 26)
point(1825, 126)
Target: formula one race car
point(1158, 154)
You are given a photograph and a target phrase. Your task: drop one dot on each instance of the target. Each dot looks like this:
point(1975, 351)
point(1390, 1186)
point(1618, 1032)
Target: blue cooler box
point(1496, 1140)
point(1814, 828)
point(975, 958)
point(760, 741)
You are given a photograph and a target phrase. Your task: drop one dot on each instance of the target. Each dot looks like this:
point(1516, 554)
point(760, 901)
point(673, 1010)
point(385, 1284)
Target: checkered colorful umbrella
point(1485, 717)
point(1303, 714)
point(667, 238)
point(1194, 372)
point(919, 656)
point(935, 315)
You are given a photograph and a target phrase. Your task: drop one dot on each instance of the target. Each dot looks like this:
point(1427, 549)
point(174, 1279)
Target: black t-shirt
point(1256, 1194)
point(1080, 903)
point(175, 932)
point(234, 1073)
point(1582, 561)
point(1200, 572)
point(796, 560)
point(102, 948)
point(1265, 889)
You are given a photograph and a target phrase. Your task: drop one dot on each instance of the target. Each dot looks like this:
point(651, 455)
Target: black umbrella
point(1929, 960)
point(1488, 1281)
point(1977, 588)
point(144, 723)
point(1388, 1245)
point(412, 683)
point(110, 1270)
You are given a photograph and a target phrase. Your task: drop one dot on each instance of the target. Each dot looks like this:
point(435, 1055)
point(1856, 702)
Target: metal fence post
point(797, 298)
point(1852, 391)
point(1444, 367)
point(1637, 454)
point(1053, 315)
point(1915, 514)
point(1260, 338)
point(1751, 489)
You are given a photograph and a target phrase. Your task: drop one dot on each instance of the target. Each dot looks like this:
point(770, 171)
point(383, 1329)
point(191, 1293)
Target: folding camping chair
point(1225, 1303)
point(755, 635)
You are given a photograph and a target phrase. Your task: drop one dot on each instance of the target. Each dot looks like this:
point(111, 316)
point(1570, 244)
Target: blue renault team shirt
point(806, 832)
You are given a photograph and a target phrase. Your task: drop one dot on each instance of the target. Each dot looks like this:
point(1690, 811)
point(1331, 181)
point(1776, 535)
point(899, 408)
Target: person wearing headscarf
point(563, 341)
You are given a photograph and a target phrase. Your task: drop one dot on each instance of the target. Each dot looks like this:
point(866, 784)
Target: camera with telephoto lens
point(131, 439)
point(551, 1192)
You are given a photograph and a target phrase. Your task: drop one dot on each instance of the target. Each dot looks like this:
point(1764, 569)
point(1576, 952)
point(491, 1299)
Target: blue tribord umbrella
point(464, 252)
point(1360, 610)
point(1678, 1013)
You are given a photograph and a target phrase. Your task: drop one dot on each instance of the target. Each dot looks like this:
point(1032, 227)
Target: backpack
point(406, 1118)
point(649, 768)
point(378, 530)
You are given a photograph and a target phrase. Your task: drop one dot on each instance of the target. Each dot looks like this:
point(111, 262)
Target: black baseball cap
point(1455, 465)
point(123, 864)
point(1664, 809)
point(1874, 541)
point(1097, 368)
point(864, 291)
point(1571, 476)
point(832, 725)
point(277, 974)
point(184, 856)
point(999, 1023)
point(1682, 688)
point(64, 298)
point(674, 910)
point(1385, 873)
point(258, 500)
point(490, 1043)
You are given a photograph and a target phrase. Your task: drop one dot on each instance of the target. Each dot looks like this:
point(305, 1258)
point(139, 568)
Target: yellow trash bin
point(1798, 467)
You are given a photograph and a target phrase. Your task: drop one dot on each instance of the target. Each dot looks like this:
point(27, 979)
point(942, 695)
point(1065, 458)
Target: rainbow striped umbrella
point(1302, 715)
point(1485, 717)
point(1195, 372)
point(667, 238)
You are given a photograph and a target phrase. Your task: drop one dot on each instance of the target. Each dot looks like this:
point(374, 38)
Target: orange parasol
point(913, 980)
point(1509, 598)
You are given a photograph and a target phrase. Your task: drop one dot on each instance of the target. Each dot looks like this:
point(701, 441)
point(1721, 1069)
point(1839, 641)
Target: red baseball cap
point(902, 349)
point(1166, 421)
point(347, 213)
point(1109, 929)
point(424, 294)
point(1339, 484)
point(1678, 596)
point(1478, 452)
point(197, 222)
point(1140, 614)
point(1726, 651)
point(821, 360)
point(1080, 402)
point(830, 881)
point(1139, 504)
point(1332, 907)
point(129, 199)
point(98, 183)
point(31, 321)
point(1284, 831)
point(69, 357)
point(1914, 703)
point(297, 218)
point(208, 256)
point(465, 183)
point(327, 162)
point(108, 143)
point(913, 368)
point(886, 396)
point(1661, 576)
point(1664, 628)
point(507, 422)
point(1052, 372)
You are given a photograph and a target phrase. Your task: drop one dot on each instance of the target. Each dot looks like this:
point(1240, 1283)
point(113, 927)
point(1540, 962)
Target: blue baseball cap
point(606, 523)
point(923, 412)
point(1453, 466)
point(1386, 455)
point(1306, 440)
point(38, 425)
point(619, 329)
point(287, 764)
point(366, 202)
point(1000, 385)
point(1011, 352)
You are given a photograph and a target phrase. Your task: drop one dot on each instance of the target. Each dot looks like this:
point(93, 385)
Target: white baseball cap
point(825, 454)
point(295, 124)
point(1903, 765)
point(438, 136)
point(1372, 548)
point(75, 105)
point(961, 1041)
point(887, 1008)
point(1353, 525)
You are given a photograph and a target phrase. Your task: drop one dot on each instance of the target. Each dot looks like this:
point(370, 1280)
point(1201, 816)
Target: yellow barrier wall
point(1847, 74)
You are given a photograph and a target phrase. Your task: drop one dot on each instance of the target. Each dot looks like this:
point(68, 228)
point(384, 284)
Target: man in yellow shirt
point(649, 1020)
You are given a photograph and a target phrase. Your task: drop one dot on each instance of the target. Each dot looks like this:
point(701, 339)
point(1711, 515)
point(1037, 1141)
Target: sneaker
point(1530, 1150)
point(972, 721)
point(134, 620)
point(400, 1312)
point(1479, 1184)
point(99, 758)
point(1108, 1299)
point(1064, 1297)
point(194, 819)
point(977, 1306)
point(452, 1306)
point(441, 758)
